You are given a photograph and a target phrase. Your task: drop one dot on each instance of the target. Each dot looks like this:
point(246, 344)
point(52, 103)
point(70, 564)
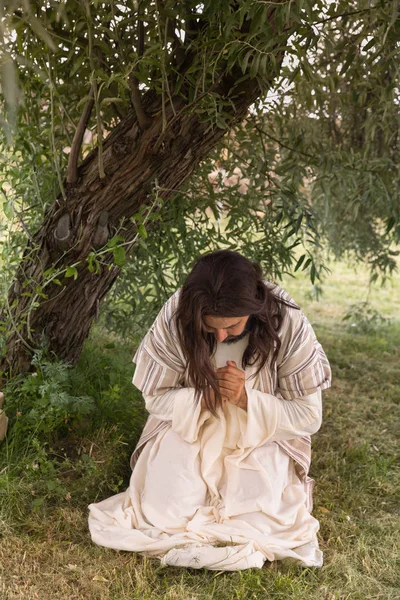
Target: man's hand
point(231, 382)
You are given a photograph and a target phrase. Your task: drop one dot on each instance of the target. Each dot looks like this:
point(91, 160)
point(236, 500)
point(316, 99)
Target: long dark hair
point(226, 284)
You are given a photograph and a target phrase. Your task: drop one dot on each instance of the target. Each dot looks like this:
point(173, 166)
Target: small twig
point(343, 15)
point(142, 117)
point(164, 69)
point(65, 111)
point(132, 242)
point(72, 171)
point(314, 157)
point(136, 99)
point(140, 36)
point(14, 325)
point(96, 92)
point(35, 178)
point(99, 129)
point(162, 66)
point(177, 42)
point(53, 137)
point(192, 28)
point(24, 227)
point(260, 130)
point(185, 108)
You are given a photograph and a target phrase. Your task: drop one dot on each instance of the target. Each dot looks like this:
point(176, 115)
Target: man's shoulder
point(292, 317)
point(166, 316)
point(281, 294)
point(171, 304)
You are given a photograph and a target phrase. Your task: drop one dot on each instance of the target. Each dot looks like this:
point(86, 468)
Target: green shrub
point(363, 318)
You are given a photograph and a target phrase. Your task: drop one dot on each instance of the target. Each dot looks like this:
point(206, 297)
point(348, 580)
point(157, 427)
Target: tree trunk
point(92, 212)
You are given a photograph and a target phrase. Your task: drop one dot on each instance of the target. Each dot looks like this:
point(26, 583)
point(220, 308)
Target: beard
point(235, 338)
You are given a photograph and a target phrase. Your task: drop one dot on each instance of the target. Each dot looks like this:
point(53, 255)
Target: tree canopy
point(296, 113)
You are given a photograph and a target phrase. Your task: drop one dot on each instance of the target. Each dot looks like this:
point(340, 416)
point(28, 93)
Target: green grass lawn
point(46, 551)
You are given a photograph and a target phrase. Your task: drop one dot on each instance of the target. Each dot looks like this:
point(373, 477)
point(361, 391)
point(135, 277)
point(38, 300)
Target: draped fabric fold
point(301, 368)
point(226, 493)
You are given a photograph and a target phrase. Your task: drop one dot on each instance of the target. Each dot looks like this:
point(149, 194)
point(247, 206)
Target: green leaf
point(313, 274)
point(114, 241)
point(349, 60)
point(119, 256)
point(77, 64)
point(255, 65)
point(111, 100)
point(8, 210)
point(41, 31)
point(369, 45)
point(71, 272)
point(9, 86)
point(93, 263)
point(308, 261)
point(142, 231)
point(299, 262)
point(293, 75)
point(245, 61)
point(263, 64)
point(307, 70)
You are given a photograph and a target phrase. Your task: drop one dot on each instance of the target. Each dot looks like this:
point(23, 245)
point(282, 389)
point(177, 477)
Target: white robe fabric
point(215, 493)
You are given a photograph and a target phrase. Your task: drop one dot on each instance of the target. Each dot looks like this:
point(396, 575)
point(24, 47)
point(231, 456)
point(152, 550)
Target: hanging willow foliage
point(126, 147)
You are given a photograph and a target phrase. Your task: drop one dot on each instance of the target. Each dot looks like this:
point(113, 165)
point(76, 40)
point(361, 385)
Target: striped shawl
point(301, 368)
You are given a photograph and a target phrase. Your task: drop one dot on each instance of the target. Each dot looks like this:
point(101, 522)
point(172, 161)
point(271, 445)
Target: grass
point(46, 551)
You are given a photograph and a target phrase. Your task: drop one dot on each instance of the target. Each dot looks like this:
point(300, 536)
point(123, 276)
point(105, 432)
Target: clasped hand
point(231, 381)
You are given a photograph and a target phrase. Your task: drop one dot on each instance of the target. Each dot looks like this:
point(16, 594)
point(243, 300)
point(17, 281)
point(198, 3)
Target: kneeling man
point(231, 373)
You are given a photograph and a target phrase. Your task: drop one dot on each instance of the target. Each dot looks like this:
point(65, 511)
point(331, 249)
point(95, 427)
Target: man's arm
point(159, 373)
point(272, 419)
point(180, 407)
point(269, 418)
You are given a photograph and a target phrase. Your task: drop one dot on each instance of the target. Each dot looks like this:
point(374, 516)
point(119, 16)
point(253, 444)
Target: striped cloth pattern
point(300, 369)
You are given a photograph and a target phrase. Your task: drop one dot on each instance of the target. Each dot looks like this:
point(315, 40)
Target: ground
point(46, 551)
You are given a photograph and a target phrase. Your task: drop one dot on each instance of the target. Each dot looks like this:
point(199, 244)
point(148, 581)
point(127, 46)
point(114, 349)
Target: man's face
point(226, 329)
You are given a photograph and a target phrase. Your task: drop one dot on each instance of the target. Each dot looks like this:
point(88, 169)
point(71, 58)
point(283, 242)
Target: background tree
point(159, 84)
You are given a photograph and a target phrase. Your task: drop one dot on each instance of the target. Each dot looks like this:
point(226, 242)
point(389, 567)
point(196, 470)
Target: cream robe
point(201, 481)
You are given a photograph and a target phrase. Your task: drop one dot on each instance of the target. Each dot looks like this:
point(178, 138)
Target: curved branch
point(136, 99)
point(143, 119)
point(72, 170)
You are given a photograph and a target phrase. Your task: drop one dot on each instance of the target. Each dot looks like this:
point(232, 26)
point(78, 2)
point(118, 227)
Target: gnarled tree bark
point(166, 151)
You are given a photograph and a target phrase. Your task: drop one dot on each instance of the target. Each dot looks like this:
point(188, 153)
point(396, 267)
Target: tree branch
point(192, 27)
point(314, 157)
point(259, 129)
point(72, 170)
point(24, 227)
point(140, 37)
point(143, 118)
point(136, 99)
point(343, 15)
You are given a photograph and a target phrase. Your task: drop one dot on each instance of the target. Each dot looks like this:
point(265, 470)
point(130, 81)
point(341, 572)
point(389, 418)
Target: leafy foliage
point(65, 424)
point(318, 152)
point(363, 318)
point(204, 216)
point(44, 400)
